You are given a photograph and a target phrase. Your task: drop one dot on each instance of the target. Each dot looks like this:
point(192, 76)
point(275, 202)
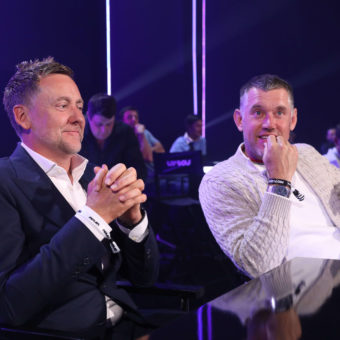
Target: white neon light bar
point(108, 48)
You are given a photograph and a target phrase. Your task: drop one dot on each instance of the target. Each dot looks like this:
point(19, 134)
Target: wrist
point(280, 181)
point(133, 220)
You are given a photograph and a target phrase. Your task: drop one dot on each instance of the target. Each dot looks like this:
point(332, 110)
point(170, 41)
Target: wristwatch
point(279, 190)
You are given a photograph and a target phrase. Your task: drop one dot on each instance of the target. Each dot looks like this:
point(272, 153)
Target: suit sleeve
point(29, 279)
point(140, 261)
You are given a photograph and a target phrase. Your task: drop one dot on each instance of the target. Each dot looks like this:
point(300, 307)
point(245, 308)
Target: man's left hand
point(125, 182)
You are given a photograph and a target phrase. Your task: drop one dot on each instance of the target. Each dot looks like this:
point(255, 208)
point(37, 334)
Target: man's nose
point(76, 115)
point(268, 121)
point(104, 129)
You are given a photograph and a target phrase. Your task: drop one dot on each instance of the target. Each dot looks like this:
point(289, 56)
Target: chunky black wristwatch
point(277, 189)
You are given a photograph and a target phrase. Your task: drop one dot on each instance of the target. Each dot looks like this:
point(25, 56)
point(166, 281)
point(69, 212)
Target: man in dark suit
point(108, 141)
point(66, 233)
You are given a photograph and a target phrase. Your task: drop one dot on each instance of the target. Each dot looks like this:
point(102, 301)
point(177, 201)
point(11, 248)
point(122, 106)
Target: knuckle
point(132, 171)
point(140, 183)
point(118, 167)
point(121, 165)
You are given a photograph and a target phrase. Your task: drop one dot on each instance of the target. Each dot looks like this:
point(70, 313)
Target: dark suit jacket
point(121, 146)
point(50, 273)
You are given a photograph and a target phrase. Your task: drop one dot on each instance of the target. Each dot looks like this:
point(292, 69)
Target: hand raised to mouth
point(280, 158)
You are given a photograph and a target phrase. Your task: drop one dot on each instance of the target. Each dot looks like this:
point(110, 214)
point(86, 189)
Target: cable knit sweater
point(252, 226)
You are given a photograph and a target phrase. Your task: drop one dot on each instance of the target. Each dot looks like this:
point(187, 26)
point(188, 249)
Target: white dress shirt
point(76, 196)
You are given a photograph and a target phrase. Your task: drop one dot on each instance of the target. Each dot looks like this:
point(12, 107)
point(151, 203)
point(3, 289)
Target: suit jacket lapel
point(39, 189)
point(87, 176)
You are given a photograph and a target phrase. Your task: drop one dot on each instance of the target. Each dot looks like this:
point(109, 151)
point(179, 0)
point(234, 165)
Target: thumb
point(96, 169)
point(265, 150)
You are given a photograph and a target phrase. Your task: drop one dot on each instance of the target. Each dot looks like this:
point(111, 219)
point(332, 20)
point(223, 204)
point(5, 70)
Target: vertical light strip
point(108, 48)
point(199, 314)
point(203, 69)
point(209, 322)
point(194, 57)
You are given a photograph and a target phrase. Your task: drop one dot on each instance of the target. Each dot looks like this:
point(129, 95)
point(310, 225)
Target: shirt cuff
point(139, 232)
point(93, 222)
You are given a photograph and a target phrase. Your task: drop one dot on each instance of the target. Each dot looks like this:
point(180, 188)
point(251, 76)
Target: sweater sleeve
point(250, 226)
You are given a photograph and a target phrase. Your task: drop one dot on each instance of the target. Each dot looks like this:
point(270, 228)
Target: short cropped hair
point(102, 104)
point(24, 84)
point(267, 82)
point(190, 120)
point(126, 108)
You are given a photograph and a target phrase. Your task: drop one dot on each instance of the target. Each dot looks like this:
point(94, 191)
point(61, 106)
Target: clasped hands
point(280, 158)
point(116, 193)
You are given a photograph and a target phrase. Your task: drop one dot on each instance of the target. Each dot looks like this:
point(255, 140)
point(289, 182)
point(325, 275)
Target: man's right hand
point(122, 192)
point(280, 158)
point(139, 129)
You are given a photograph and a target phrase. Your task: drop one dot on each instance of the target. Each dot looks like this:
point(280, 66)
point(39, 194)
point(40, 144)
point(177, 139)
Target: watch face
point(280, 190)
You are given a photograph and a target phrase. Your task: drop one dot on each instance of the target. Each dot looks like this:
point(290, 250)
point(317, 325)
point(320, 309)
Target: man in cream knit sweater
point(272, 200)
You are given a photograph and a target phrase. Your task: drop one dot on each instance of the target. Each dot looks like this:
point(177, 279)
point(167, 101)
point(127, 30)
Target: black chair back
point(178, 174)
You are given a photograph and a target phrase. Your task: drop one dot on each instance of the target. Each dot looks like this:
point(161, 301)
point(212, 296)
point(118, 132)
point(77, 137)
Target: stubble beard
point(71, 148)
point(256, 152)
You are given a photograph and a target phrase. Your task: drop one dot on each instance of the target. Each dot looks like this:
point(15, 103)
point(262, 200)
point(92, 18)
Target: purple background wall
point(72, 31)
point(151, 57)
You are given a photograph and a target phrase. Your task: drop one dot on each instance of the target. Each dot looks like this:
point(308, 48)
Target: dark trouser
point(126, 329)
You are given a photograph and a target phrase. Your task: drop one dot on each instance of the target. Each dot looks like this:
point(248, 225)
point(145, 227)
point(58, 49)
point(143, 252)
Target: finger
point(271, 140)
point(97, 168)
point(137, 184)
point(114, 173)
point(265, 150)
point(130, 194)
point(99, 178)
point(136, 200)
point(127, 178)
point(280, 140)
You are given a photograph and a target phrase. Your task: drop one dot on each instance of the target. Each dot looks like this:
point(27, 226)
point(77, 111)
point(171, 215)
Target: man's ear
point(293, 120)
point(21, 116)
point(238, 119)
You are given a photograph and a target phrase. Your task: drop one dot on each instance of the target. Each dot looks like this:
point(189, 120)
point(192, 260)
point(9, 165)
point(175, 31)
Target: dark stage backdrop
point(151, 57)
point(151, 62)
point(72, 31)
point(296, 39)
